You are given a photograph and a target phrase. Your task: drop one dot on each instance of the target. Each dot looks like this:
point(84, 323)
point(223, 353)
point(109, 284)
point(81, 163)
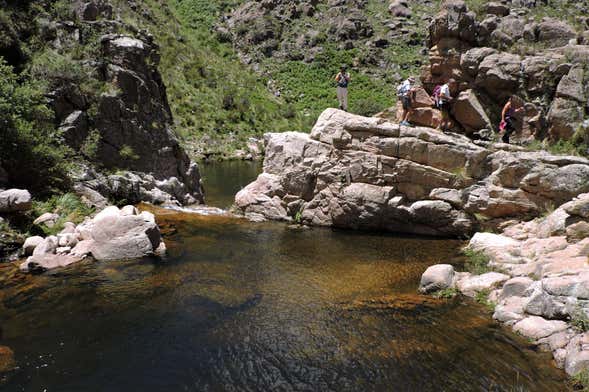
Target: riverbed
point(241, 306)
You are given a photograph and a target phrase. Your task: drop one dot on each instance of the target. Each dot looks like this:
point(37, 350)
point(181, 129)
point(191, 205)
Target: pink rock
point(537, 327)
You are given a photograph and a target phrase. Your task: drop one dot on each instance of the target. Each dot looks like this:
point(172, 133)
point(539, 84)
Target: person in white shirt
point(444, 103)
point(404, 93)
point(342, 79)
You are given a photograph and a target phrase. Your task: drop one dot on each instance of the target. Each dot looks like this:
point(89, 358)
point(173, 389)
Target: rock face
point(125, 123)
point(544, 290)
point(493, 58)
point(367, 173)
point(112, 234)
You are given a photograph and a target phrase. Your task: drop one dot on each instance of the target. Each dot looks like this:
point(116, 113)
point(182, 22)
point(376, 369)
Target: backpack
point(403, 89)
point(343, 81)
point(436, 94)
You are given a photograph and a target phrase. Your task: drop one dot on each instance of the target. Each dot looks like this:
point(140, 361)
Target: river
point(240, 306)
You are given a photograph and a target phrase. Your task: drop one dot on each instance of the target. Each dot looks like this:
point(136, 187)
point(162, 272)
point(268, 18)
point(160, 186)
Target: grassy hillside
point(218, 102)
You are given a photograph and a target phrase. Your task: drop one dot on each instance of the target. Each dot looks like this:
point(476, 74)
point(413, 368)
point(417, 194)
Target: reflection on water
point(238, 306)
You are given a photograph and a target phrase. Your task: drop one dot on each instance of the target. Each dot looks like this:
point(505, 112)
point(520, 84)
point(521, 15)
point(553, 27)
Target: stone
point(30, 244)
point(542, 304)
point(39, 263)
point(579, 206)
point(474, 284)
point(47, 246)
point(469, 112)
point(509, 310)
point(577, 231)
point(576, 361)
point(47, 219)
point(571, 86)
point(121, 237)
point(535, 327)
point(495, 8)
point(437, 277)
point(568, 286)
point(15, 200)
point(515, 287)
point(139, 110)
point(400, 8)
point(555, 32)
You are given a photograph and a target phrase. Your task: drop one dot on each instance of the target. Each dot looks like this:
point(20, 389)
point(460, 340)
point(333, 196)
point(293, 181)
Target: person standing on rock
point(404, 92)
point(444, 103)
point(342, 79)
point(507, 126)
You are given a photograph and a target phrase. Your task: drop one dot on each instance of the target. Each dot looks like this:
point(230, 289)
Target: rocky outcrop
point(118, 116)
point(492, 60)
point(367, 173)
point(112, 234)
point(543, 290)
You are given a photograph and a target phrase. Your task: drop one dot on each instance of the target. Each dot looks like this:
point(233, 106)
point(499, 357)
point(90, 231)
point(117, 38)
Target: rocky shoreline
point(542, 289)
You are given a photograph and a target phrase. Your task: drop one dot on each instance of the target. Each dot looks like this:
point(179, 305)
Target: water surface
point(238, 306)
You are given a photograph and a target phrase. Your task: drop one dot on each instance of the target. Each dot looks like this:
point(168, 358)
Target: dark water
point(259, 307)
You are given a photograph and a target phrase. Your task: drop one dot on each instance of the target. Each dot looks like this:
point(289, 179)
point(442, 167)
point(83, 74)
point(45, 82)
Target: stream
point(241, 306)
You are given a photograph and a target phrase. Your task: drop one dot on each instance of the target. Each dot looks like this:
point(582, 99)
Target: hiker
point(443, 103)
point(404, 93)
point(507, 126)
point(342, 80)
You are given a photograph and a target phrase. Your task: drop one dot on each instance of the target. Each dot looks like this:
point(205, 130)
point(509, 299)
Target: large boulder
point(15, 200)
point(119, 236)
point(563, 118)
point(470, 113)
point(555, 32)
point(112, 234)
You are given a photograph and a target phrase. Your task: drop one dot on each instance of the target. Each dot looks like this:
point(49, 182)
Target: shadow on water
point(238, 306)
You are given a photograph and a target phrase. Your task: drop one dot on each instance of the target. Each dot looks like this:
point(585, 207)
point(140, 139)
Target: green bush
point(68, 206)
point(31, 150)
point(56, 69)
point(448, 293)
point(580, 320)
point(580, 381)
point(482, 297)
point(476, 261)
point(128, 154)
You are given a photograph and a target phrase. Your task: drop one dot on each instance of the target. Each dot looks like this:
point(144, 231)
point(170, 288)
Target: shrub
point(580, 320)
point(90, 146)
point(68, 206)
point(447, 293)
point(56, 68)
point(31, 150)
point(476, 261)
point(580, 381)
point(128, 154)
point(482, 297)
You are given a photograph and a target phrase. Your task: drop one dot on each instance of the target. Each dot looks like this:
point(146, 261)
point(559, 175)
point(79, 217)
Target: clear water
point(238, 306)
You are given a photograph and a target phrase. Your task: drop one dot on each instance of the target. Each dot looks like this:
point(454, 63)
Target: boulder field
point(542, 289)
point(113, 234)
point(367, 173)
